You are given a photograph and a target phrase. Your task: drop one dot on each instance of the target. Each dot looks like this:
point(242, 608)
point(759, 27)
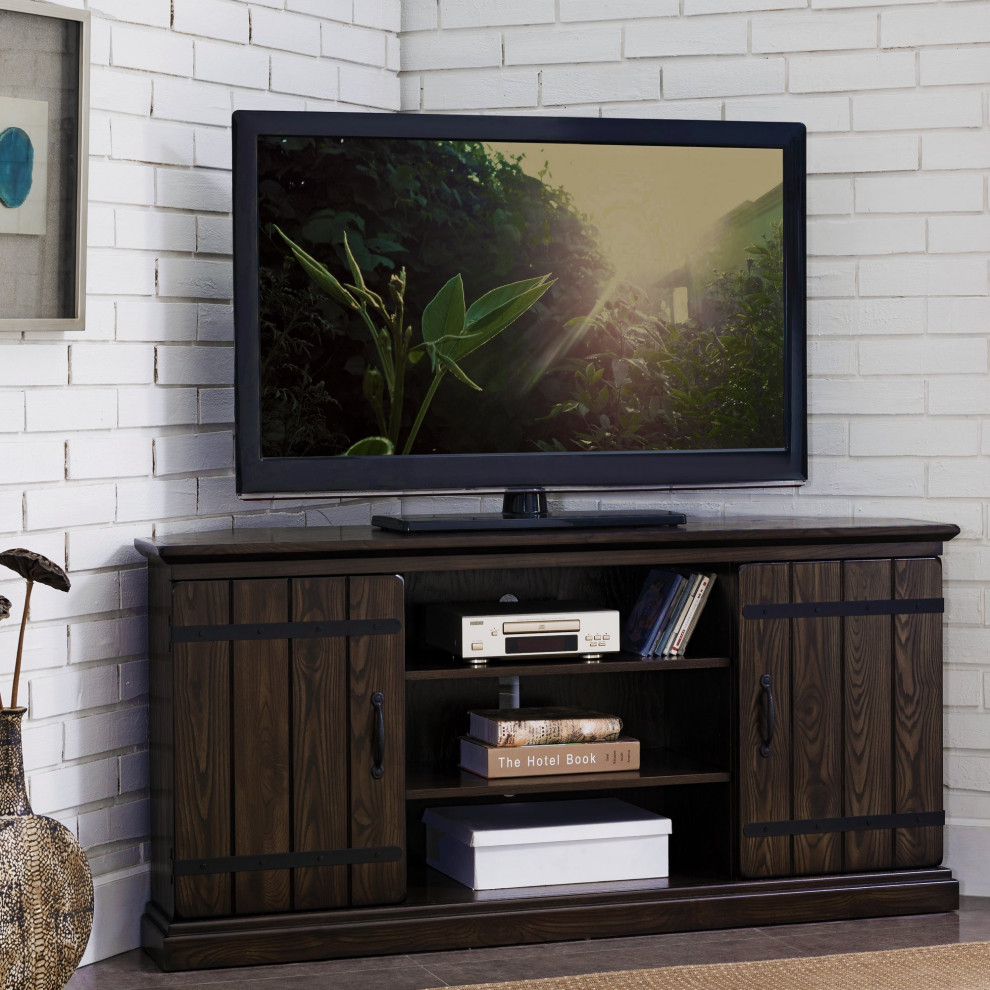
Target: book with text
point(669, 630)
point(690, 620)
point(541, 726)
point(540, 761)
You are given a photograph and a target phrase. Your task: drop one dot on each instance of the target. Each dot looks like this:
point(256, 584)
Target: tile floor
point(135, 971)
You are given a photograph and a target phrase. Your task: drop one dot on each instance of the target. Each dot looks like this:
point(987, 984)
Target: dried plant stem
point(20, 645)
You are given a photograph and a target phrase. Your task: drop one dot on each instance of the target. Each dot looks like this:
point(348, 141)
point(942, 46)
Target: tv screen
point(428, 304)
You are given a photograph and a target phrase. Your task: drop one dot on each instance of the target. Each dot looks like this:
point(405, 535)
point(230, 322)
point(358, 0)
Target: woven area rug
point(937, 967)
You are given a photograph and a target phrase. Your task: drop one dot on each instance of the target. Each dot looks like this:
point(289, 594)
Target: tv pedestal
point(299, 730)
point(526, 509)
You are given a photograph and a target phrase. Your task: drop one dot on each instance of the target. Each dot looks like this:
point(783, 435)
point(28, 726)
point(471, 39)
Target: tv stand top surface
point(333, 542)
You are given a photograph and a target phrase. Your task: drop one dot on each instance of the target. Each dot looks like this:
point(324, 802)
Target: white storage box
point(536, 843)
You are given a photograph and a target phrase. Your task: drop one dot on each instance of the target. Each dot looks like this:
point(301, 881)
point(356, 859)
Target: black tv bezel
point(491, 473)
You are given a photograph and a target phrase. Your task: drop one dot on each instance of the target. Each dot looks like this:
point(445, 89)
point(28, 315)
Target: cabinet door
point(320, 796)
point(201, 736)
point(377, 754)
point(764, 720)
point(289, 769)
point(917, 660)
point(259, 746)
point(840, 749)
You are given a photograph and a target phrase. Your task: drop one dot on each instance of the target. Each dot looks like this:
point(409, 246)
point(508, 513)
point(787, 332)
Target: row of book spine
point(537, 742)
point(666, 613)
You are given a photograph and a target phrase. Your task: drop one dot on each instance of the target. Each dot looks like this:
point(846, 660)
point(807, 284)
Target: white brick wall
point(894, 94)
point(862, 153)
point(157, 141)
point(124, 430)
point(698, 36)
point(304, 76)
point(842, 73)
point(104, 435)
point(212, 19)
point(288, 32)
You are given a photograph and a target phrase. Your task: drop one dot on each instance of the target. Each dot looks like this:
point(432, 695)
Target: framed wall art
point(44, 147)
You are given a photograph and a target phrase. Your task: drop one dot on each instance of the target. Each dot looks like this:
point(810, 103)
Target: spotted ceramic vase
point(46, 889)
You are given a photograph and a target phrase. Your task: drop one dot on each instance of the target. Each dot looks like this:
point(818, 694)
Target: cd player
point(479, 631)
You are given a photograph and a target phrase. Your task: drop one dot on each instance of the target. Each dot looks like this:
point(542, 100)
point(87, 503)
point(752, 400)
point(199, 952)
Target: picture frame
point(44, 151)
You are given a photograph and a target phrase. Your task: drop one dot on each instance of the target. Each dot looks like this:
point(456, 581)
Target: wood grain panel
point(161, 755)
point(644, 554)
point(868, 771)
point(260, 746)
point(377, 805)
point(460, 924)
point(816, 716)
point(319, 743)
point(201, 731)
point(918, 712)
point(363, 543)
point(764, 781)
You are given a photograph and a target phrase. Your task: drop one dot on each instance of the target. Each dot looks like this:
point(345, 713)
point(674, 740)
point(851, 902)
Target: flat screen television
point(431, 304)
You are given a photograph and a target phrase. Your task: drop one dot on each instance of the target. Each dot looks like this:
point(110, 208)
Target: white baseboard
point(120, 902)
point(967, 854)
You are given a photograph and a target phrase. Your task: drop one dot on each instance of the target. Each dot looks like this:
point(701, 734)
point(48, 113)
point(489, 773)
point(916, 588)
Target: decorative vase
point(46, 889)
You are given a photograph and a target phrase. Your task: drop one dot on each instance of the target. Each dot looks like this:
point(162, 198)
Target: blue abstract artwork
point(23, 166)
point(16, 166)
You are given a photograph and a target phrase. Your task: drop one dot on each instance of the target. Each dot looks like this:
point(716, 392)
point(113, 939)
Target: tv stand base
point(432, 925)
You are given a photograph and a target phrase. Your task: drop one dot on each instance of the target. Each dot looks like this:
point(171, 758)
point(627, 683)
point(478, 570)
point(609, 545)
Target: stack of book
point(537, 742)
point(666, 613)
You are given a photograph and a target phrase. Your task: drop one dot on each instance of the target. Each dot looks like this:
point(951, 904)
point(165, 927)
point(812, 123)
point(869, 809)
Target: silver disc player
point(478, 631)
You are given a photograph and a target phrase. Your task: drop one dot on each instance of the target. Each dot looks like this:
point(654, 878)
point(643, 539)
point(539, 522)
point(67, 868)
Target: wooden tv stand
point(299, 729)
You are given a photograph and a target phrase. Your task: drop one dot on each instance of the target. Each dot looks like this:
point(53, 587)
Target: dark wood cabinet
point(847, 656)
point(300, 728)
point(276, 745)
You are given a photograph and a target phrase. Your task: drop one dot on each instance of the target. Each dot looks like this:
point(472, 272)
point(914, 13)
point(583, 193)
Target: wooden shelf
point(443, 670)
point(429, 889)
point(658, 768)
point(427, 886)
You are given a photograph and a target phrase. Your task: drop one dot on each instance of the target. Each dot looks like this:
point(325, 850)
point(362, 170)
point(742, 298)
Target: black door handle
point(378, 769)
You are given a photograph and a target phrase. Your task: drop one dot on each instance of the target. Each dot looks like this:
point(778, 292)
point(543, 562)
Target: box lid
point(545, 821)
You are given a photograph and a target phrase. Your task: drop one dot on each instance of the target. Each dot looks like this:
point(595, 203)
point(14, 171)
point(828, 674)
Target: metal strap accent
point(855, 823)
point(815, 610)
point(285, 861)
point(285, 630)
